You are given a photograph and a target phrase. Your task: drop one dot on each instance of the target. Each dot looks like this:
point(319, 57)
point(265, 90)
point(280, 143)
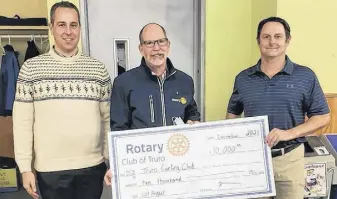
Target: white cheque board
point(222, 159)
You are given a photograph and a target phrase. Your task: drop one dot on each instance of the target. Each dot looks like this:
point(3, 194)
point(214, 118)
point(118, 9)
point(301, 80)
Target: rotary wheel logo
point(178, 145)
point(183, 100)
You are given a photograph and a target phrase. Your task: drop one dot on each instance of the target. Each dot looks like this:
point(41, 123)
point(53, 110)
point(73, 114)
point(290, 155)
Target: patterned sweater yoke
point(48, 76)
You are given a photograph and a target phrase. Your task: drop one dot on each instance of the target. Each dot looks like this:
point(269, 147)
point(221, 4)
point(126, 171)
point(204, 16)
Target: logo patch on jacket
point(182, 100)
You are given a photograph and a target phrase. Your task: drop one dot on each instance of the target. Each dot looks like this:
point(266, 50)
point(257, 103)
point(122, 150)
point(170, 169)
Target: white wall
point(125, 18)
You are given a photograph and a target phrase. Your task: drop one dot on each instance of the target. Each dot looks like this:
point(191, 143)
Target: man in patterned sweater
point(61, 106)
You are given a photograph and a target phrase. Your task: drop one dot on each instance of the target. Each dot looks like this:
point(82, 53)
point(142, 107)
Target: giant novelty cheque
point(222, 159)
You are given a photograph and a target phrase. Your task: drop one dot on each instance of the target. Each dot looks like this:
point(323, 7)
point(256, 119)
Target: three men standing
point(63, 102)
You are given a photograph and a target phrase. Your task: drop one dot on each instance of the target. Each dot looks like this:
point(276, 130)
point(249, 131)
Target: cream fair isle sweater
point(61, 106)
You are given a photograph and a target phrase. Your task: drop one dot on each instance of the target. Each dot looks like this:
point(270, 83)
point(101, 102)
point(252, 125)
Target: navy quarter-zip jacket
point(140, 99)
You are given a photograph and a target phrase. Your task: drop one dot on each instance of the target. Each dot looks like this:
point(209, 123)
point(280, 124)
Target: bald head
point(154, 46)
point(149, 30)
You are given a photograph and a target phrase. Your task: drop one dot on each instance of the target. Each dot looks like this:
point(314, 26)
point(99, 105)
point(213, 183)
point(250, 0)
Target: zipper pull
point(151, 108)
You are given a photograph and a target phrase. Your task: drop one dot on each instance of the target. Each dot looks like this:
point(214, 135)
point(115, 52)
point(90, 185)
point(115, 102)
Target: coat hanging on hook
point(32, 50)
point(9, 72)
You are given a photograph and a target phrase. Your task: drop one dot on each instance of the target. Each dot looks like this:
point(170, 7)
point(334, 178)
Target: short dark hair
point(142, 30)
point(274, 19)
point(63, 4)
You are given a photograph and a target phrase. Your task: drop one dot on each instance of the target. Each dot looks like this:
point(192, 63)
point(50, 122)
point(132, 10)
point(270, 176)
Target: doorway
point(110, 31)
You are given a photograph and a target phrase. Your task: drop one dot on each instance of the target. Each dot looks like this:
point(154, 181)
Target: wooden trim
point(330, 95)
point(24, 27)
point(332, 126)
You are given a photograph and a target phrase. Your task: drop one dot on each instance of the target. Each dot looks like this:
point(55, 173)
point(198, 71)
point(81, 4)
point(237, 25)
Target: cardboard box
point(8, 180)
point(6, 137)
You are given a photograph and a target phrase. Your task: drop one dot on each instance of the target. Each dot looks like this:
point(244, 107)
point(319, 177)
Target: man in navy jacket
point(155, 93)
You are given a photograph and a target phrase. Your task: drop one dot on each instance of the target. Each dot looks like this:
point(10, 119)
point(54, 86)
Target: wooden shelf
point(24, 27)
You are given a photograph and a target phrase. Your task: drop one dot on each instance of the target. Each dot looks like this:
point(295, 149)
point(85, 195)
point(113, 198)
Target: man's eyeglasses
point(152, 43)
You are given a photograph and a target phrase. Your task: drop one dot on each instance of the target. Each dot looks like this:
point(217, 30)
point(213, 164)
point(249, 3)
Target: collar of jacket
point(169, 66)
